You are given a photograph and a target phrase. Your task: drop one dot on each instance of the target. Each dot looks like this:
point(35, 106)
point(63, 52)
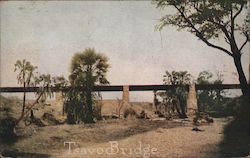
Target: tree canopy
point(88, 68)
point(208, 19)
point(212, 19)
point(179, 94)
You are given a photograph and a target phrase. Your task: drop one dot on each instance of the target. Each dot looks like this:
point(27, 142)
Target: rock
point(159, 119)
point(160, 114)
point(197, 129)
point(10, 153)
point(50, 118)
point(209, 119)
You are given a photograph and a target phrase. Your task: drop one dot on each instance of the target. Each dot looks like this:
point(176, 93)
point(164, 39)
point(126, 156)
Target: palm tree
point(88, 68)
point(25, 76)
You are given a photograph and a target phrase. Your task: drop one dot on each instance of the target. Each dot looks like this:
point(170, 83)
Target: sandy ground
point(122, 139)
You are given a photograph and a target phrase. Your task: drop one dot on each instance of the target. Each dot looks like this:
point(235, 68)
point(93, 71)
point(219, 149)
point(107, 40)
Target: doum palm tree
point(25, 76)
point(88, 69)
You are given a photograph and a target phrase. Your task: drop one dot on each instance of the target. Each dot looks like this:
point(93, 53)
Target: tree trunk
point(29, 108)
point(242, 78)
point(89, 115)
point(24, 99)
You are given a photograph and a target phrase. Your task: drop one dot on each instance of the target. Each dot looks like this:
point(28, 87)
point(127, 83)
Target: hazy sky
point(49, 33)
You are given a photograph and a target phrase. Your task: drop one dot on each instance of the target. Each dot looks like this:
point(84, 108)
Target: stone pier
point(192, 106)
point(125, 95)
point(59, 101)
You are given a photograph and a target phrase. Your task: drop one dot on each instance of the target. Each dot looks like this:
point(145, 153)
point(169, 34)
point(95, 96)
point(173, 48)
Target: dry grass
point(172, 139)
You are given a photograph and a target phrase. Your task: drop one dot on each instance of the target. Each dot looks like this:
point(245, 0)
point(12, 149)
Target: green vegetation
point(88, 68)
point(237, 133)
point(5, 107)
point(215, 102)
point(7, 121)
point(25, 76)
point(176, 97)
point(28, 77)
point(209, 100)
point(209, 19)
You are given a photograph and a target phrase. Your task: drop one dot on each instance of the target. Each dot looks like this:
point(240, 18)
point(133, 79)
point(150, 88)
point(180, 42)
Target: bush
point(237, 132)
point(7, 122)
point(97, 111)
point(7, 126)
point(228, 107)
point(130, 113)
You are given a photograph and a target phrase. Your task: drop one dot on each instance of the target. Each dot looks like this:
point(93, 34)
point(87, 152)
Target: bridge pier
point(59, 100)
point(125, 94)
point(192, 106)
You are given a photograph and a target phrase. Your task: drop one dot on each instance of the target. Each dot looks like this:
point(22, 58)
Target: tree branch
point(29, 109)
point(200, 35)
point(247, 39)
point(233, 17)
point(221, 26)
point(239, 11)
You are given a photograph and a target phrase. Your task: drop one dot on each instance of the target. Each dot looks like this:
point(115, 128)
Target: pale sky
point(49, 33)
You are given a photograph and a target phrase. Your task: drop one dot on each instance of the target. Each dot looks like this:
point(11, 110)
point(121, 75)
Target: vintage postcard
point(125, 79)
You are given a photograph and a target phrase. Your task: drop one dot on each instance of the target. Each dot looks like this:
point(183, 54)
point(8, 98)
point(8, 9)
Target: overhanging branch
point(239, 11)
point(247, 39)
point(232, 18)
point(221, 26)
point(200, 35)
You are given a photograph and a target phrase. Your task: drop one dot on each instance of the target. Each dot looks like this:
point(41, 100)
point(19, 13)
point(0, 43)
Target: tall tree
point(25, 76)
point(88, 68)
point(177, 95)
point(208, 99)
point(44, 82)
point(210, 19)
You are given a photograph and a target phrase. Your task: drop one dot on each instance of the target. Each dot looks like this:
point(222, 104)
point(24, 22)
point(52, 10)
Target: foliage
point(44, 82)
point(7, 122)
point(74, 104)
point(28, 77)
point(237, 131)
point(88, 68)
point(5, 107)
point(97, 110)
point(212, 19)
point(209, 99)
point(179, 94)
point(59, 81)
point(206, 18)
point(25, 72)
point(7, 128)
point(215, 102)
point(130, 112)
point(25, 76)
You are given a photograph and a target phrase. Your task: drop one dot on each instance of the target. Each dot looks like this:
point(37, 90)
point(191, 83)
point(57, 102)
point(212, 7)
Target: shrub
point(130, 113)
point(97, 111)
point(7, 126)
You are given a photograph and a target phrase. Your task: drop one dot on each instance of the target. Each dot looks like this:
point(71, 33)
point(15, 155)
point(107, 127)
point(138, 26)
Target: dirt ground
point(119, 139)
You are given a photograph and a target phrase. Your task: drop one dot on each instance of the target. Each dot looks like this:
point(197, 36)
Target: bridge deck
point(120, 88)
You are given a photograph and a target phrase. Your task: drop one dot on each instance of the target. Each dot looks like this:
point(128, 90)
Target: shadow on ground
point(140, 127)
point(16, 154)
point(236, 142)
point(99, 133)
point(51, 138)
